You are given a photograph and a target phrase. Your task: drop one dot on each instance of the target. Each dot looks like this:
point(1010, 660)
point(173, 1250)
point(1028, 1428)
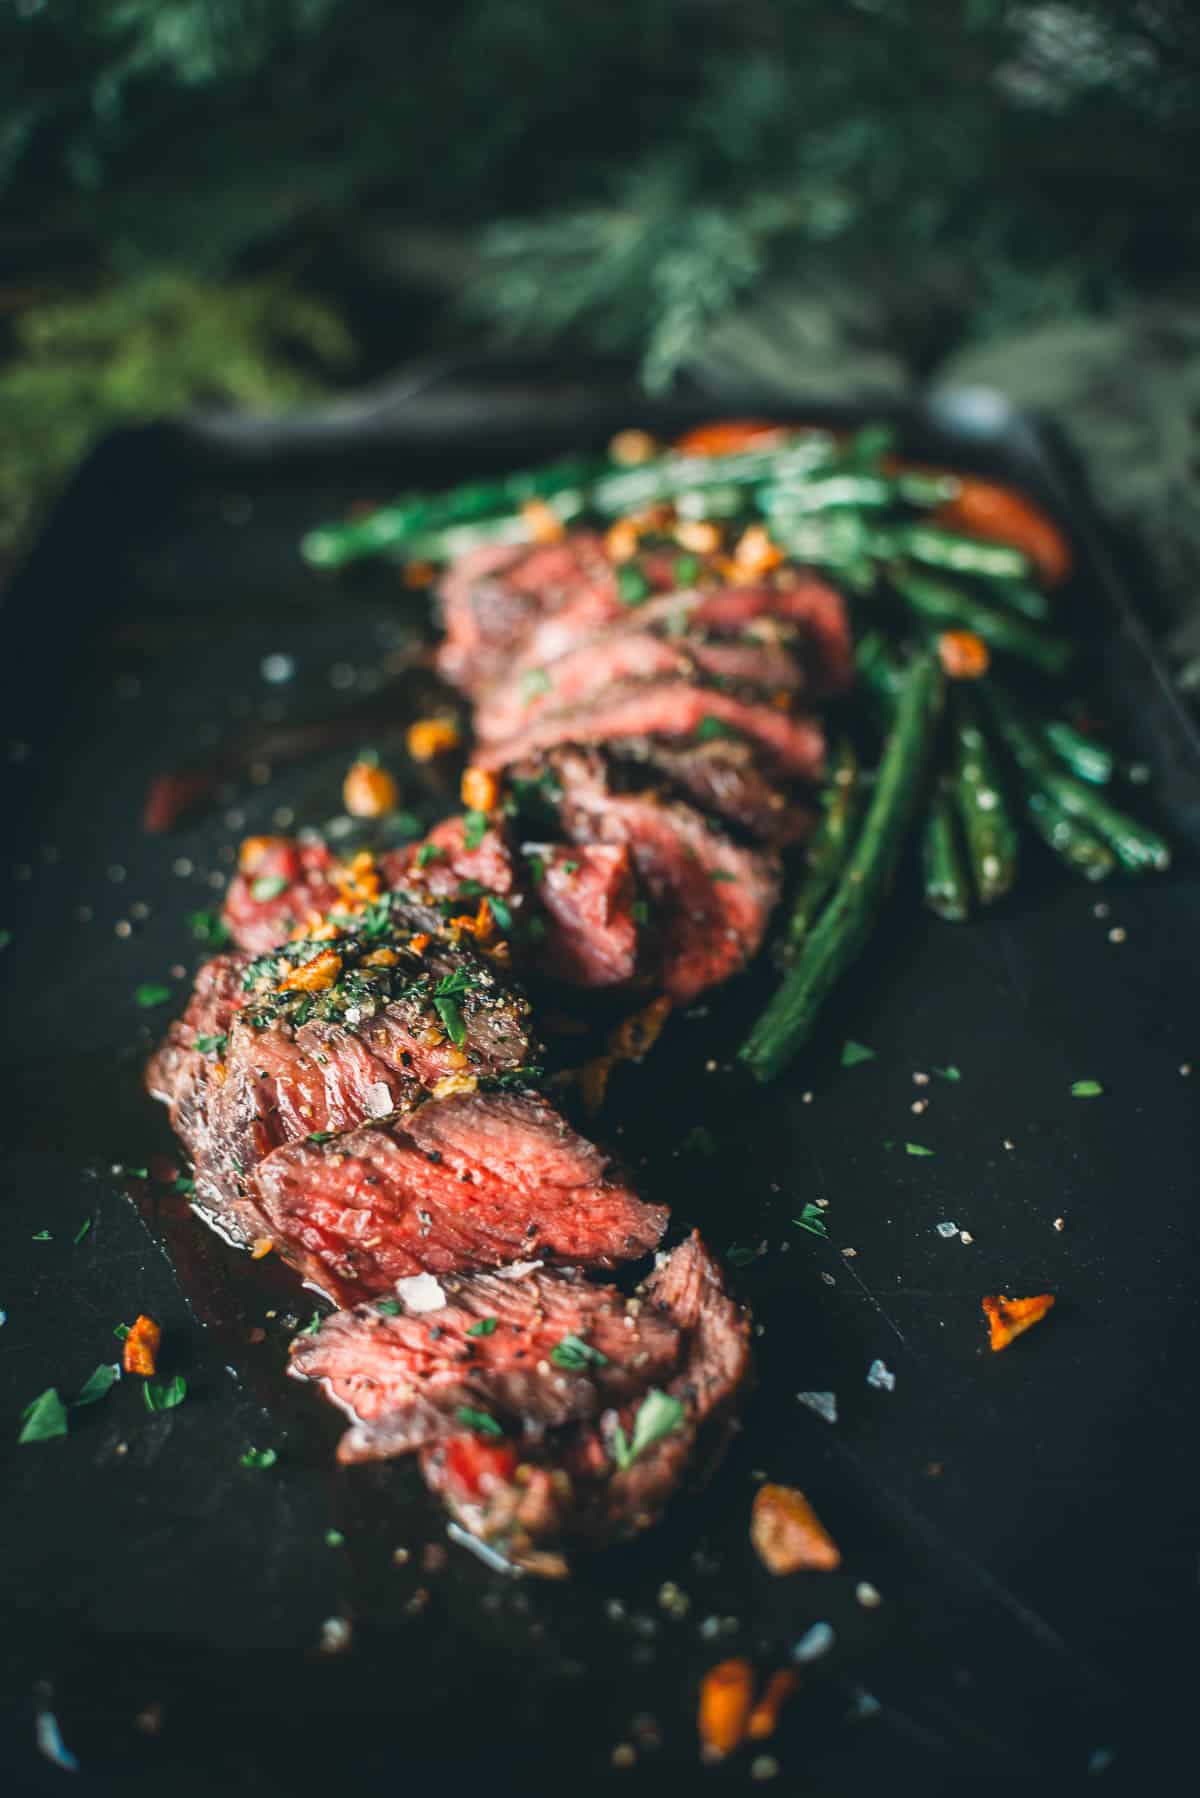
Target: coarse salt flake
point(814, 1643)
point(823, 1403)
point(947, 1230)
point(420, 1292)
point(880, 1375)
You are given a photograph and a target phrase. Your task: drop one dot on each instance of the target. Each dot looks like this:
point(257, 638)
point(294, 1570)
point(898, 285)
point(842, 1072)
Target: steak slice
point(281, 883)
point(570, 1489)
point(713, 897)
point(471, 1181)
point(537, 1352)
point(453, 857)
point(670, 707)
point(725, 776)
point(493, 598)
point(587, 895)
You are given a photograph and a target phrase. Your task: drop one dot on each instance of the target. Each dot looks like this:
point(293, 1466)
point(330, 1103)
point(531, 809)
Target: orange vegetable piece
point(542, 522)
point(140, 1353)
point(755, 553)
point(963, 655)
point(1010, 1318)
point(765, 1715)
point(723, 436)
point(699, 535)
point(726, 1695)
point(419, 943)
point(621, 540)
point(430, 737)
point(480, 790)
point(380, 958)
point(983, 509)
point(260, 1247)
point(632, 446)
point(369, 792)
point(787, 1534)
point(315, 975)
point(253, 852)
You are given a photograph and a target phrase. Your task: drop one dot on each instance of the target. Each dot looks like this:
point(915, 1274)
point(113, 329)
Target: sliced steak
point(535, 1352)
point(713, 897)
point(456, 855)
point(584, 1484)
point(670, 707)
point(472, 1181)
point(587, 897)
point(493, 599)
point(727, 777)
point(281, 884)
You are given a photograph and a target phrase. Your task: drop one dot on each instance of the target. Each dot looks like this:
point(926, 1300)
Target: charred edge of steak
point(727, 777)
point(571, 1490)
point(532, 1353)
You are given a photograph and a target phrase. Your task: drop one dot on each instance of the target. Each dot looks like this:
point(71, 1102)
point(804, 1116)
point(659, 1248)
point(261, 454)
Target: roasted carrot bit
point(631, 447)
point(963, 655)
point(430, 737)
point(637, 1034)
point(369, 792)
point(755, 553)
point(480, 924)
point(699, 535)
point(723, 436)
point(419, 943)
point(254, 851)
point(621, 540)
point(358, 881)
point(480, 790)
point(418, 574)
point(140, 1352)
point(381, 958)
point(726, 1695)
point(1010, 1318)
point(217, 1073)
point(315, 975)
point(765, 1715)
point(983, 509)
point(542, 522)
point(262, 1245)
point(787, 1534)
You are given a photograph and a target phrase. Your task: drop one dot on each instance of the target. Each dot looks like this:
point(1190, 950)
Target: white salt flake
point(865, 1705)
point(420, 1292)
point(335, 1635)
point(823, 1403)
point(947, 1230)
point(881, 1377)
point(517, 1270)
point(867, 1595)
point(48, 1737)
point(814, 1643)
point(378, 1099)
point(277, 669)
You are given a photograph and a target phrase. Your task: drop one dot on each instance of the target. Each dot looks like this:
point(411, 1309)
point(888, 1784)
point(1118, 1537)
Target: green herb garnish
point(209, 928)
point(738, 1254)
point(334, 1538)
point(185, 1185)
point(121, 1331)
point(574, 1353)
point(537, 867)
point(658, 1415)
point(569, 867)
point(82, 1231)
point(721, 874)
point(948, 1073)
point(853, 1053)
point(916, 1148)
point(258, 1458)
point(812, 1219)
point(534, 682)
point(313, 1326)
point(486, 1326)
point(429, 852)
point(211, 1045)
point(479, 1421)
point(99, 1384)
point(43, 1236)
point(388, 1307)
point(151, 994)
point(452, 1018)
point(44, 1418)
point(268, 886)
point(474, 826)
point(686, 570)
point(632, 586)
point(164, 1395)
point(710, 727)
point(1086, 1089)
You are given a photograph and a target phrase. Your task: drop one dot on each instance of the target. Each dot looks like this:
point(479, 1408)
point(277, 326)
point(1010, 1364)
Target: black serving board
point(1029, 1519)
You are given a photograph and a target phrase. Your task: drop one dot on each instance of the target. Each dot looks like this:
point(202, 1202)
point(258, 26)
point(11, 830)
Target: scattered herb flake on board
point(812, 1218)
point(570, 867)
point(151, 994)
point(448, 1010)
point(853, 1053)
point(164, 1395)
point(739, 1254)
point(43, 1236)
point(486, 1326)
point(209, 928)
point(574, 1353)
point(428, 852)
point(639, 911)
point(474, 826)
point(136, 1173)
point(916, 1148)
point(121, 1331)
point(334, 1538)
point(1010, 1318)
point(1086, 1089)
point(948, 1073)
point(313, 1326)
point(632, 586)
point(658, 1415)
point(268, 886)
point(320, 1136)
point(44, 1418)
point(700, 1139)
point(5, 938)
point(99, 1384)
point(722, 874)
point(479, 1421)
point(258, 1458)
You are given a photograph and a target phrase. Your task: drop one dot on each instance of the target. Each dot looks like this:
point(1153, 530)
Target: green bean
point(989, 832)
point(1074, 845)
point(829, 846)
point(1020, 596)
point(845, 925)
point(961, 554)
point(947, 886)
point(948, 607)
point(864, 492)
point(1089, 760)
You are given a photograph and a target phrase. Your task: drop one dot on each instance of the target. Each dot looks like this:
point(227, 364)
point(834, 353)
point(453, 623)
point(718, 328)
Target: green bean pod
point(1075, 846)
point(947, 607)
point(943, 869)
point(828, 847)
point(991, 836)
point(959, 554)
point(1086, 758)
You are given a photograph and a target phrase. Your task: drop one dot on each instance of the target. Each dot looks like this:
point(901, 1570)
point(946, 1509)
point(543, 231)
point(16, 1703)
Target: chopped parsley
point(916, 1148)
point(471, 889)
point(313, 1326)
point(948, 1073)
point(388, 1307)
point(185, 1186)
point(43, 1236)
point(853, 1053)
point(258, 1458)
point(151, 994)
point(812, 1219)
point(429, 852)
point(211, 1045)
point(82, 1231)
point(99, 1384)
point(686, 570)
point(537, 866)
point(710, 727)
point(403, 826)
point(319, 1136)
point(334, 1538)
point(209, 928)
point(639, 911)
point(452, 1018)
point(500, 912)
point(368, 757)
point(120, 1331)
point(632, 586)
point(571, 867)
point(268, 886)
point(721, 874)
point(450, 985)
point(486, 1326)
point(658, 1415)
point(1086, 1089)
point(474, 826)
point(535, 929)
point(44, 1418)
point(479, 1421)
point(5, 938)
point(164, 1395)
point(534, 682)
point(574, 1353)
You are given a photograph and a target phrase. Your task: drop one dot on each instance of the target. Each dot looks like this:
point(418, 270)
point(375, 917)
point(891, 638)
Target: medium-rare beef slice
point(670, 707)
point(472, 1181)
point(602, 1481)
point(459, 860)
point(725, 776)
point(534, 1352)
point(588, 899)
point(713, 897)
point(281, 883)
point(493, 600)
